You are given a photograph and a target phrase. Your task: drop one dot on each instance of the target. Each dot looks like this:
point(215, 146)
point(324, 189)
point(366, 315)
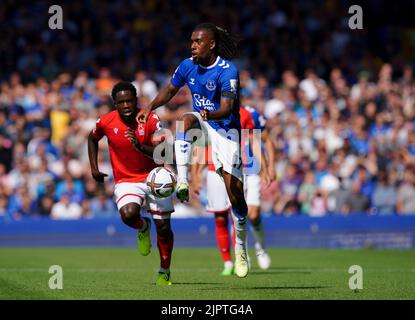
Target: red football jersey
point(128, 164)
point(246, 119)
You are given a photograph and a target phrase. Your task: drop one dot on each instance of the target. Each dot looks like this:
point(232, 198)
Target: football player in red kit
point(131, 147)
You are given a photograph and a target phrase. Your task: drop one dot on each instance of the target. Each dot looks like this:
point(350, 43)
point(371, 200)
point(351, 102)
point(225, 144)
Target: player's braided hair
point(226, 42)
point(123, 86)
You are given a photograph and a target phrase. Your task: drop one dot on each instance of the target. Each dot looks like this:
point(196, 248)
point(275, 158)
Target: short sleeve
point(98, 131)
point(246, 120)
point(229, 80)
point(156, 129)
point(179, 76)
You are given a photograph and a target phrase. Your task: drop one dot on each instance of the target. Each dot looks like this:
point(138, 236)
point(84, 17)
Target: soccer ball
point(161, 182)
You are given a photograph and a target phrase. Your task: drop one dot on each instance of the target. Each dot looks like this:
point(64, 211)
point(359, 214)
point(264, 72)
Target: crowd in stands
point(340, 107)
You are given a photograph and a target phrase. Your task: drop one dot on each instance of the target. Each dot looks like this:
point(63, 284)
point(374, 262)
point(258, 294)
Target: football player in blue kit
point(214, 84)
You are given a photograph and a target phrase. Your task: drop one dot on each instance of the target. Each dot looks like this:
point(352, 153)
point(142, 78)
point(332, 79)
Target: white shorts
point(137, 192)
point(226, 154)
point(218, 200)
point(252, 189)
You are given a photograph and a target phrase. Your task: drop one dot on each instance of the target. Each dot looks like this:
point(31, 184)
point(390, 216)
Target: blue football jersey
point(207, 84)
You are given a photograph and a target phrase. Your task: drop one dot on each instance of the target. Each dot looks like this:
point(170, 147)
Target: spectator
point(307, 192)
point(318, 205)
point(65, 209)
point(384, 195)
point(145, 87)
point(337, 199)
point(406, 193)
point(102, 207)
point(356, 202)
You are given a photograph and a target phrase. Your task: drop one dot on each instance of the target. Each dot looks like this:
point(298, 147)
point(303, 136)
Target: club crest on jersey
point(211, 85)
point(140, 130)
point(115, 130)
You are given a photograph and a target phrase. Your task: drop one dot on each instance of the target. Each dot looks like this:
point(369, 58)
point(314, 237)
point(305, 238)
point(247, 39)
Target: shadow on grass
point(275, 270)
point(288, 287)
point(194, 283)
point(268, 288)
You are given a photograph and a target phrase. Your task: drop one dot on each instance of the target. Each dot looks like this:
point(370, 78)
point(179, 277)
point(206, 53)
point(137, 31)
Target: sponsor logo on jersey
point(201, 101)
point(192, 81)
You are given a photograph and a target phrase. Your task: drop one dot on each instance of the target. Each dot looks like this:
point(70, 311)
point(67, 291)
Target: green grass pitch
point(120, 273)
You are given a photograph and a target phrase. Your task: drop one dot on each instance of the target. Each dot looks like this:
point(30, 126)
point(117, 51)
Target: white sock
point(258, 233)
point(164, 270)
point(240, 233)
point(228, 264)
point(183, 151)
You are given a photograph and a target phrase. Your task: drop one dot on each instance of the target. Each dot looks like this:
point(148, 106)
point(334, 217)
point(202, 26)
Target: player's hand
point(205, 114)
point(130, 135)
point(272, 174)
point(143, 114)
point(267, 179)
point(98, 176)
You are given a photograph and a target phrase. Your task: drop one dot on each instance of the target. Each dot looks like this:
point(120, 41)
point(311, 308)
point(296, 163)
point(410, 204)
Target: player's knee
point(220, 217)
point(254, 219)
point(235, 201)
point(163, 229)
point(253, 214)
point(129, 212)
point(188, 121)
point(238, 204)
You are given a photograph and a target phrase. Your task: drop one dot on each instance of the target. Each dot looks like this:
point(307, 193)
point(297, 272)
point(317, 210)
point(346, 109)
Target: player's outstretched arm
point(224, 112)
point(162, 98)
point(93, 159)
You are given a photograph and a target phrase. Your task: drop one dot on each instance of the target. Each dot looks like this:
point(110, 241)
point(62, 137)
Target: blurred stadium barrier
point(298, 231)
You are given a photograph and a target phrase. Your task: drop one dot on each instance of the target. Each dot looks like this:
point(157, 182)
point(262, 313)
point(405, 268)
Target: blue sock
point(240, 214)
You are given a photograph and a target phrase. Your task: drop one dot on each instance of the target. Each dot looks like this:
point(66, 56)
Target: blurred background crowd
point(339, 103)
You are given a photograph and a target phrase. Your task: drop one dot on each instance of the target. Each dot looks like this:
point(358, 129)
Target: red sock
point(138, 224)
point(222, 236)
point(165, 245)
point(233, 233)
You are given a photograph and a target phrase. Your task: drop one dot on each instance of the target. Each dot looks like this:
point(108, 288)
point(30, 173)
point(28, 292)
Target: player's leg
point(253, 196)
point(226, 156)
point(165, 241)
point(129, 199)
point(161, 209)
point(218, 203)
point(234, 187)
point(223, 240)
point(185, 136)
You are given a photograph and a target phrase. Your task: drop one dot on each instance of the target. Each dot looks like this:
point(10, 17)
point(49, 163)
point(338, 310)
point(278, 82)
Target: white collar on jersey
point(212, 65)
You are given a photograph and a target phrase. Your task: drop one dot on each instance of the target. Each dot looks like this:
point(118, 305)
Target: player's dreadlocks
point(123, 86)
point(226, 42)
